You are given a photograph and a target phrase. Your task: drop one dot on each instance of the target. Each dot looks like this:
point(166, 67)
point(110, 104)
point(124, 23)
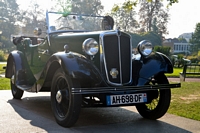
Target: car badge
point(114, 72)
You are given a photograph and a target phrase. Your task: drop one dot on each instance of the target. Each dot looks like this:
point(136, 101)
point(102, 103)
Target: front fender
point(76, 67)
point(153, 65)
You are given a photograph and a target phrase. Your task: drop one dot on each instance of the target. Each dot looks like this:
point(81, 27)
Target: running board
point(29, 88)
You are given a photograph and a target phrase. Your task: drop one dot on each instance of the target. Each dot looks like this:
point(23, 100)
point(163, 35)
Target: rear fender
point(22, 71)
point(152, 66)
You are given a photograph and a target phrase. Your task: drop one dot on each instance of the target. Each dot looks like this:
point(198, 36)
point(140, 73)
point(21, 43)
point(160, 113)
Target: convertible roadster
point(84, 62)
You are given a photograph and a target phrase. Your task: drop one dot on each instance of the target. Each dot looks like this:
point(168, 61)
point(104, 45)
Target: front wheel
point(160, 103)
point(65, 105)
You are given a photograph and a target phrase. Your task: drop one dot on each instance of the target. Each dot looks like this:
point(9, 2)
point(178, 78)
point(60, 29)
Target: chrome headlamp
point(145, 47)
point(90, 46)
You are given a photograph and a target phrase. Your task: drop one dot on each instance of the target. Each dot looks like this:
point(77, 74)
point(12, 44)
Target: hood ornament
point(114, 72)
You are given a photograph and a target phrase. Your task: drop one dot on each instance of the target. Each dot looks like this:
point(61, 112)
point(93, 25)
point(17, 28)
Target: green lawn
point(4, 84)
point(175, 73)
point(186, 100)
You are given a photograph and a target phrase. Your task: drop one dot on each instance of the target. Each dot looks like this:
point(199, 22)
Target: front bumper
point(127, 89)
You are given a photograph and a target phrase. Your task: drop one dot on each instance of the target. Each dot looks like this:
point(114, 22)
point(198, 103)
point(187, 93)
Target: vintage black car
point(84, 62)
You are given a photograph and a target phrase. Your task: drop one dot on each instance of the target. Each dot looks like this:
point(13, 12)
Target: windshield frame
point(49, 31)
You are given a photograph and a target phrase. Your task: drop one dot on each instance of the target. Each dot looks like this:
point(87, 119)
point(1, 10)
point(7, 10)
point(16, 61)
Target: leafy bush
point(163, 49)
point(194, 59)
point(178, 60)
point(2, 56)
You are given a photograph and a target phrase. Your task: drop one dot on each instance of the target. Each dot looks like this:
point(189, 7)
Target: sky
point(183, 15)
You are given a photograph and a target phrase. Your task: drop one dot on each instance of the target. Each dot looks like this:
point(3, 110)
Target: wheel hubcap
point(13, 79)
point(59, 96)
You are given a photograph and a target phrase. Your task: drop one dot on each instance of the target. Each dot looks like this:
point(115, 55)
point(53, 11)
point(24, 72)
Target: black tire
point(65, 106)
point(16, 92)
point(159, 105)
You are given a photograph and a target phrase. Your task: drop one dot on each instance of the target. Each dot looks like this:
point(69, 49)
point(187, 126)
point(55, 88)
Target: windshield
point(73, 22)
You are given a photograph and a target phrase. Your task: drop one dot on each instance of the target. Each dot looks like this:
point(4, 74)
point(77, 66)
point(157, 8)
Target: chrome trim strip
point(131, 70)
point(120, 63)
point(48, 29)
point(130, 89)
point(103, 56)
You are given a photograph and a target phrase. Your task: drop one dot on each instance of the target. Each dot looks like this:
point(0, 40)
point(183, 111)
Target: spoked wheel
point(160, 103)
point(65, 106)
point(16, 92)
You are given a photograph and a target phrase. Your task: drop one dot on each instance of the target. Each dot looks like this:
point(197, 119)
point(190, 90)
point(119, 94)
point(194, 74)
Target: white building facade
point(182, 47)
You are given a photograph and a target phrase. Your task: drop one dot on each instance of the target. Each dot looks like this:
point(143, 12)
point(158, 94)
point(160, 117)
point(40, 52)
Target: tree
point(182, 40)
point(170, 2)
point(63, 6)
point(196, 38)
point(88, 7)
point(125, 16)
point(152, 15)
point(93, 7)
point(136, 38)
point(32, 18)
point(8, 18)
point(151, 36)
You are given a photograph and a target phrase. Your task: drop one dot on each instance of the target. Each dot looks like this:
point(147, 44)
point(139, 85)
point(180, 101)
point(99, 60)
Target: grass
point(5, 84)
point(175, 73)
point(186, 101)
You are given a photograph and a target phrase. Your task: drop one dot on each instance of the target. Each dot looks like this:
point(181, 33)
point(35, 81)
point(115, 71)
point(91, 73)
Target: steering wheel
point(64, 28)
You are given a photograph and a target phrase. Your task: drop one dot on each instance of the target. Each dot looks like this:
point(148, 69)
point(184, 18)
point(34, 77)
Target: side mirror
point(37, 31)
point(17, 40)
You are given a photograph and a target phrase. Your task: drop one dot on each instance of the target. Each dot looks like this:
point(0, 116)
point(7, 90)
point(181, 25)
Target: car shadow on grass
point(98, 120)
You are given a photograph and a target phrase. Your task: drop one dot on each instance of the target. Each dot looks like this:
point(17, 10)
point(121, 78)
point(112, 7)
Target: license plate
point(126, 99)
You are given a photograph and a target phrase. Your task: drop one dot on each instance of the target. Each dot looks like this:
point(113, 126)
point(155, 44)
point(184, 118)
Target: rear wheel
point(160, 103)
point(65, 106)
point(16, 92)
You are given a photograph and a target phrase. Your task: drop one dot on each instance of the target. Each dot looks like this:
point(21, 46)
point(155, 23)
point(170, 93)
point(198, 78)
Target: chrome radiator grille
point(117, 58)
